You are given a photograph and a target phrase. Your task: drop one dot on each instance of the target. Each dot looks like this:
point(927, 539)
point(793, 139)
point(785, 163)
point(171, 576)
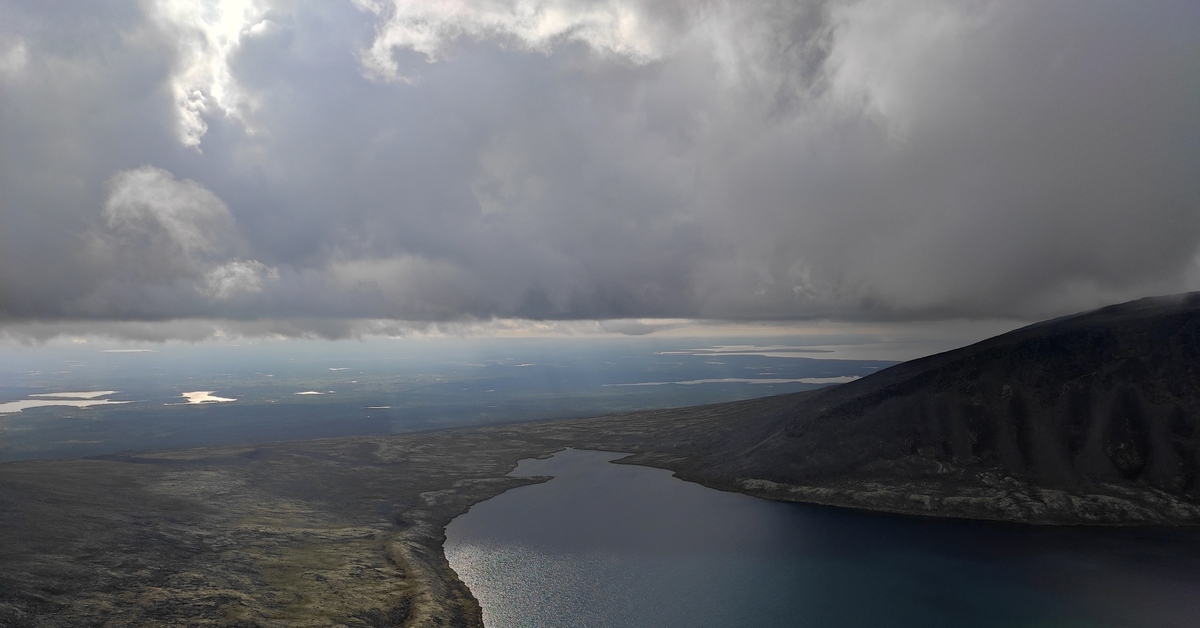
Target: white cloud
point(773, 160)
point(236, 278)
point(162, 230)
point(607, 26)
point(885, 55)
point(14, 60)
point(151, 206)
point(207, 34)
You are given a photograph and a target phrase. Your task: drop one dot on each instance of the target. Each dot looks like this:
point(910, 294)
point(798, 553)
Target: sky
point(180, 170)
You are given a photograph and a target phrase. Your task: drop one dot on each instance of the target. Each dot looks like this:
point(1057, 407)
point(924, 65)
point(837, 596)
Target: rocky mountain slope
point(1104, 403)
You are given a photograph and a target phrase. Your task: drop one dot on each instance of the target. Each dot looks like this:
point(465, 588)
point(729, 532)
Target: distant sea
point(622, 545)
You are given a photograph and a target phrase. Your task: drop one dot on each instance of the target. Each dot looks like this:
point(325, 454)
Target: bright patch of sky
point(207, 35)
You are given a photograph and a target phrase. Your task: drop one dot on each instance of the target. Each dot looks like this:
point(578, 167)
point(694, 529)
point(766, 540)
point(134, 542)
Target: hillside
point(1104, 403)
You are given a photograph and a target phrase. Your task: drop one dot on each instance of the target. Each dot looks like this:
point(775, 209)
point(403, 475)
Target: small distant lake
point(622, 545)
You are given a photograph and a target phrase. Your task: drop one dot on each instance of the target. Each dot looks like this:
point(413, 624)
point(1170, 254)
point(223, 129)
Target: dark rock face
point(1109, 397)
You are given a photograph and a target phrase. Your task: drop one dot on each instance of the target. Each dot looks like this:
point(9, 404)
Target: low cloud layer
point(301, 161)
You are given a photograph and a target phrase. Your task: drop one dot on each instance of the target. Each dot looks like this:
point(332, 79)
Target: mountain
point(1085, 418)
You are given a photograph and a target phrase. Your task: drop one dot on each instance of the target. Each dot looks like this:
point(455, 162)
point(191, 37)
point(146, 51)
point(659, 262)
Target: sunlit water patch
point(621, 545)
point(90, 394)
point(85, 399)
point(204, 396)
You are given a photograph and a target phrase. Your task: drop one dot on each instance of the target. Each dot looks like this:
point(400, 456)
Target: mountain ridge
point(1099, 403)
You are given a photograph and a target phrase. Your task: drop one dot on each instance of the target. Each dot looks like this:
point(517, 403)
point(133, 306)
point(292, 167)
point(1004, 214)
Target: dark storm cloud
point(315, 161)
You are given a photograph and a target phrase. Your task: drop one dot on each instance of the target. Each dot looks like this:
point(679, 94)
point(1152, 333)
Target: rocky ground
point(315, 533)
point(349, 532)
point(1092, 419)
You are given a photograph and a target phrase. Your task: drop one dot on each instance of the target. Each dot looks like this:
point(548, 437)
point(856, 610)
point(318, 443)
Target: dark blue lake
point(621, 545)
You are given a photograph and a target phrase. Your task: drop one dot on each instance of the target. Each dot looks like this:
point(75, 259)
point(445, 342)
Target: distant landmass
point(1085, 419)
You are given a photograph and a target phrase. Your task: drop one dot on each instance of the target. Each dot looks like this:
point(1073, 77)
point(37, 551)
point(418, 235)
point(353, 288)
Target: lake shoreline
point(635, 545)
point(338, 531)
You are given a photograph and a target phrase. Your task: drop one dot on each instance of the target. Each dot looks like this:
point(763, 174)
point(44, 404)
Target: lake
point(621, 545)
